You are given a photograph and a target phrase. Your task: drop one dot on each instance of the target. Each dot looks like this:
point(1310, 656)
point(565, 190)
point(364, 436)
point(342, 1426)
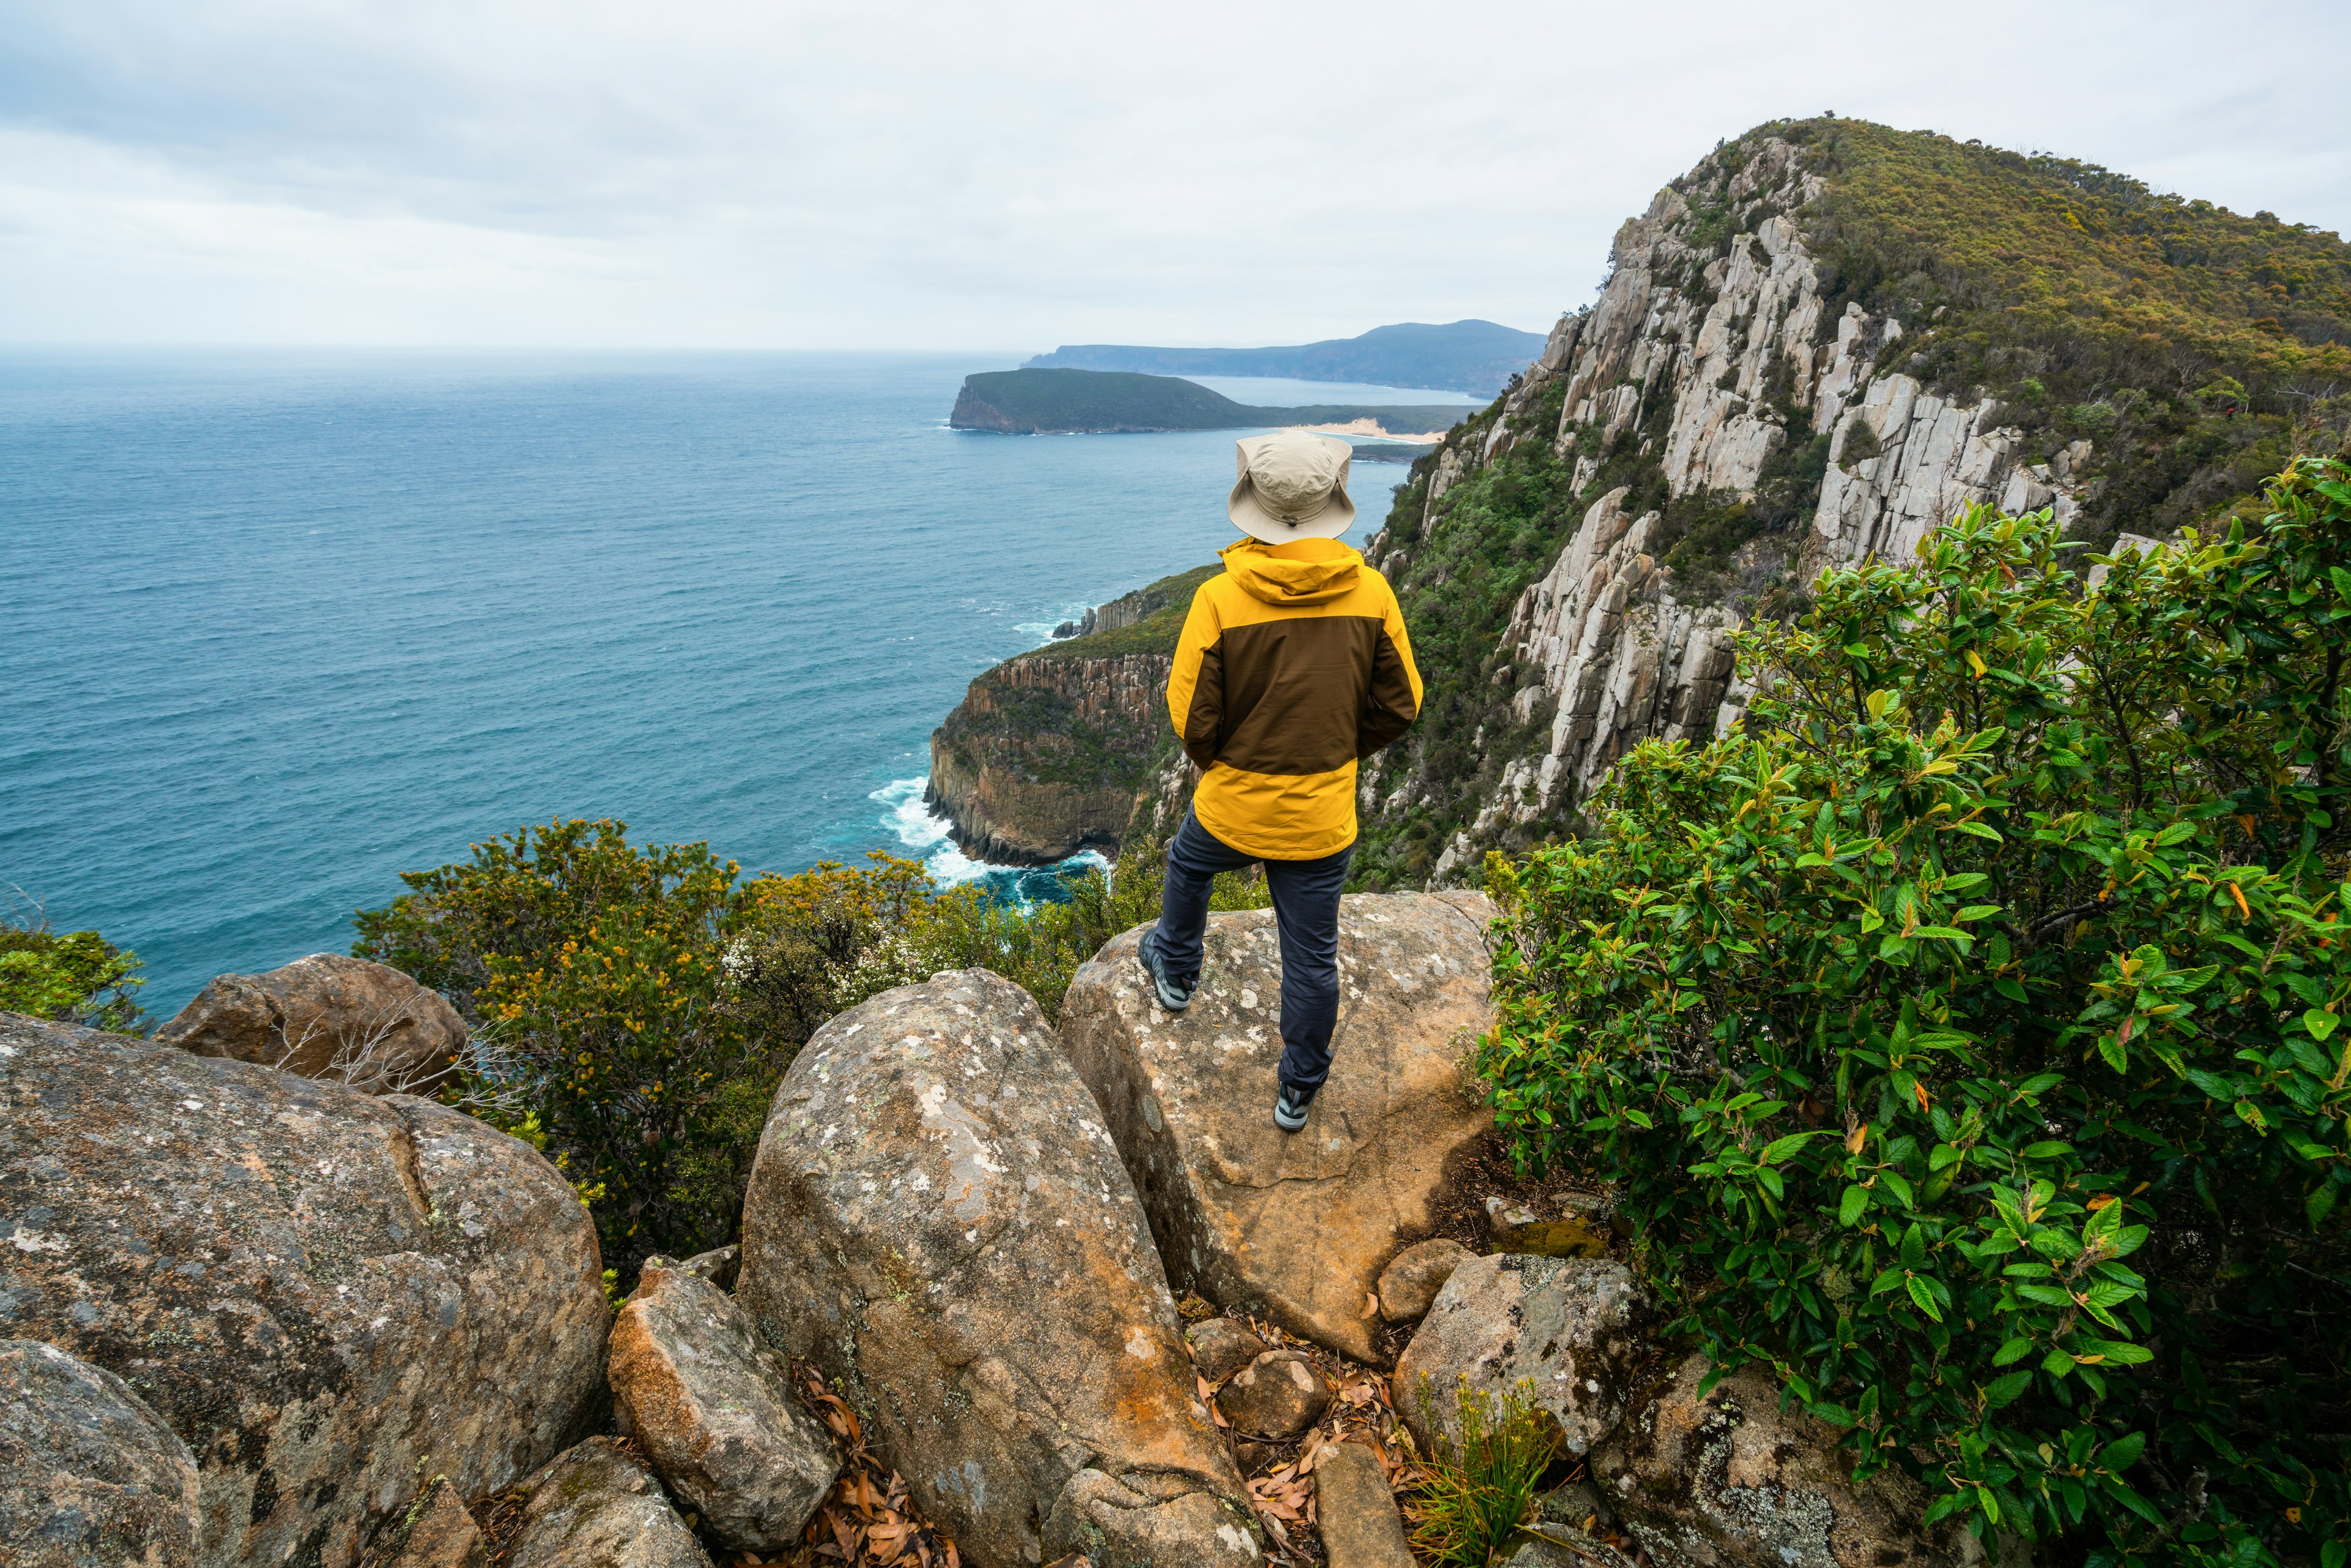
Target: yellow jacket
point(1293, 666)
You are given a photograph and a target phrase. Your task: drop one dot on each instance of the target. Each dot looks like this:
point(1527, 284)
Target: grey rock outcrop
point(1243, 1212)
point(1703, 354)
point(330, 1296)
point(1731, 1480)
point(327, 1016)
point(938, 1218)
point(713, 1410)
point(89, 1477)
point(1570, 1326)
point(594, 1506)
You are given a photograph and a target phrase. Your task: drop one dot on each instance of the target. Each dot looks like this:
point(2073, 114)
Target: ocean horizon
point(288, 623)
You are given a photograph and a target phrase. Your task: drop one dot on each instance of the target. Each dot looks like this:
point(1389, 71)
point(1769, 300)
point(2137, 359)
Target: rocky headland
point(1071, 403)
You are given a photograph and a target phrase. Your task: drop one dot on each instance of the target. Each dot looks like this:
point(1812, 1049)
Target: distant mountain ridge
point(1064, 401)
point(1471, 356)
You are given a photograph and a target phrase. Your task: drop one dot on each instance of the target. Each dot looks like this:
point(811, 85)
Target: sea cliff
point(1048, 754)
point(1816, 346)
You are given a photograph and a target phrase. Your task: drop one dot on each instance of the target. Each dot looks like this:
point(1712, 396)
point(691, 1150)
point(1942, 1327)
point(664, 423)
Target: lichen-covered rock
point(330, 1296)
point(713, 1410)
point(1221, 1347)
point(936, 1218)
point(1356, 1512)
point(1142, 1521)
point(1413, 1276)
point(440, 1533)
point(327, 1016)
point(1245, 1213)
point(1731, 1480)
point(1572, 1326)
point(1276, 1396)
point(89, 1477)
point(594, 1506)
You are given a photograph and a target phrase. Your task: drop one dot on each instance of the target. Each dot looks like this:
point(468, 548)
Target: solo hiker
point(1292, 668)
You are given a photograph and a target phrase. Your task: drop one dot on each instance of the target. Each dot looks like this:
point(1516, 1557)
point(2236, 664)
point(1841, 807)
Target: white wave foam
point(921, 828)
point(905, 814)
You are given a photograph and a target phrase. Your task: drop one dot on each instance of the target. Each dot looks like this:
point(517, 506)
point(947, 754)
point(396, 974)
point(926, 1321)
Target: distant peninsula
point(1475, 357)
point(1041, 403)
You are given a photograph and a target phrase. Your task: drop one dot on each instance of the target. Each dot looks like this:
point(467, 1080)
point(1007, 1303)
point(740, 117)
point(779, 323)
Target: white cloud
point(1011, 175)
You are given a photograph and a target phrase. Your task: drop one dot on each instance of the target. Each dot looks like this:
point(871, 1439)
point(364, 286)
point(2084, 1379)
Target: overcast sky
point(1009, 174)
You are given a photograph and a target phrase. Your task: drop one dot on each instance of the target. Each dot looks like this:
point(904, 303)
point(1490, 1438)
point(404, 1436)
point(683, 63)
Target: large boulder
point(1244, 1213)
point(327, 1016)
point(595, 1505)
point(1731, 1480)
point(331, 1296)
point(89, 1477)
point(1572, 1326)
point(937, 1219)
point(712, 1409)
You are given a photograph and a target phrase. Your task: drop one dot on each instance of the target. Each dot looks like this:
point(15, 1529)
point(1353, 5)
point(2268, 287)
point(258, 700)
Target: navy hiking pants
point(1306, 912)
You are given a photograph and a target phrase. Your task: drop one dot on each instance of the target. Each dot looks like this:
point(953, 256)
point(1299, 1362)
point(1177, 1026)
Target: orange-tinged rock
point(1301, 1223)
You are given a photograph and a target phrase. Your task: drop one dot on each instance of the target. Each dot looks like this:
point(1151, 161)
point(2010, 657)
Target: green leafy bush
point(77, 976)
point(1967, 1033)
point(598, 967)
point(1473, 1499)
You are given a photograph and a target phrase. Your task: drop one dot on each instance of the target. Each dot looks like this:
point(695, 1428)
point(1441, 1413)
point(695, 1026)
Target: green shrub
point(1473, 1499)
point(2006, 945)
point(77, 977)
point(598, 967)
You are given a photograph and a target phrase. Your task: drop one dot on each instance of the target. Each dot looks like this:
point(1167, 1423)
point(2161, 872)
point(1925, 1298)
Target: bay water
point(280, 625)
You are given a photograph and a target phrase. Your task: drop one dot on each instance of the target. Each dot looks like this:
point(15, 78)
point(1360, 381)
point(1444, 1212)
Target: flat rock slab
point(596, 1506)
point(1298, 1224)
point(1572, 1326)
point(937, 1219)
point(327, 1016)
point(89, 1477)
point(1731, 1480)
point(330, 1296)
point(1355, 1511)
point(713, 1410)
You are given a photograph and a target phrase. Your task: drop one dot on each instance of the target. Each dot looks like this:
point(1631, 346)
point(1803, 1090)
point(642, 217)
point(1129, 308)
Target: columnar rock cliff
point(1814, 349)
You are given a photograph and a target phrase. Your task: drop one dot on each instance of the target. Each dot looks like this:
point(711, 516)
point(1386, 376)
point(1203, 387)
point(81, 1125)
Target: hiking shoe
point(1175, 995)
point(1289, 1108)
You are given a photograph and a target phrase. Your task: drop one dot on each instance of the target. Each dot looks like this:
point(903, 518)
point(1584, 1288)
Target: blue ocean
point(281, 625)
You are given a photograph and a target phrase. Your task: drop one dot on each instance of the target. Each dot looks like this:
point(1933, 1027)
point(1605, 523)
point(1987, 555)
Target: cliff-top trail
point(1820, 343)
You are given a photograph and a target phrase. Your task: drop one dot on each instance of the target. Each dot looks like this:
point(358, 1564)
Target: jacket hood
point(1304, 571)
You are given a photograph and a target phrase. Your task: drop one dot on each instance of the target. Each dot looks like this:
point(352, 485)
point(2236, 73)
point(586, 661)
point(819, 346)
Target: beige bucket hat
point(1293, 486)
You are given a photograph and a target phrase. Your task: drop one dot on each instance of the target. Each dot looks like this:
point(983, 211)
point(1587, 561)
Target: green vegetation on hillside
point(2006, 945)
point(1056, 400)
point(2198, 349)
point(1165, 603)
